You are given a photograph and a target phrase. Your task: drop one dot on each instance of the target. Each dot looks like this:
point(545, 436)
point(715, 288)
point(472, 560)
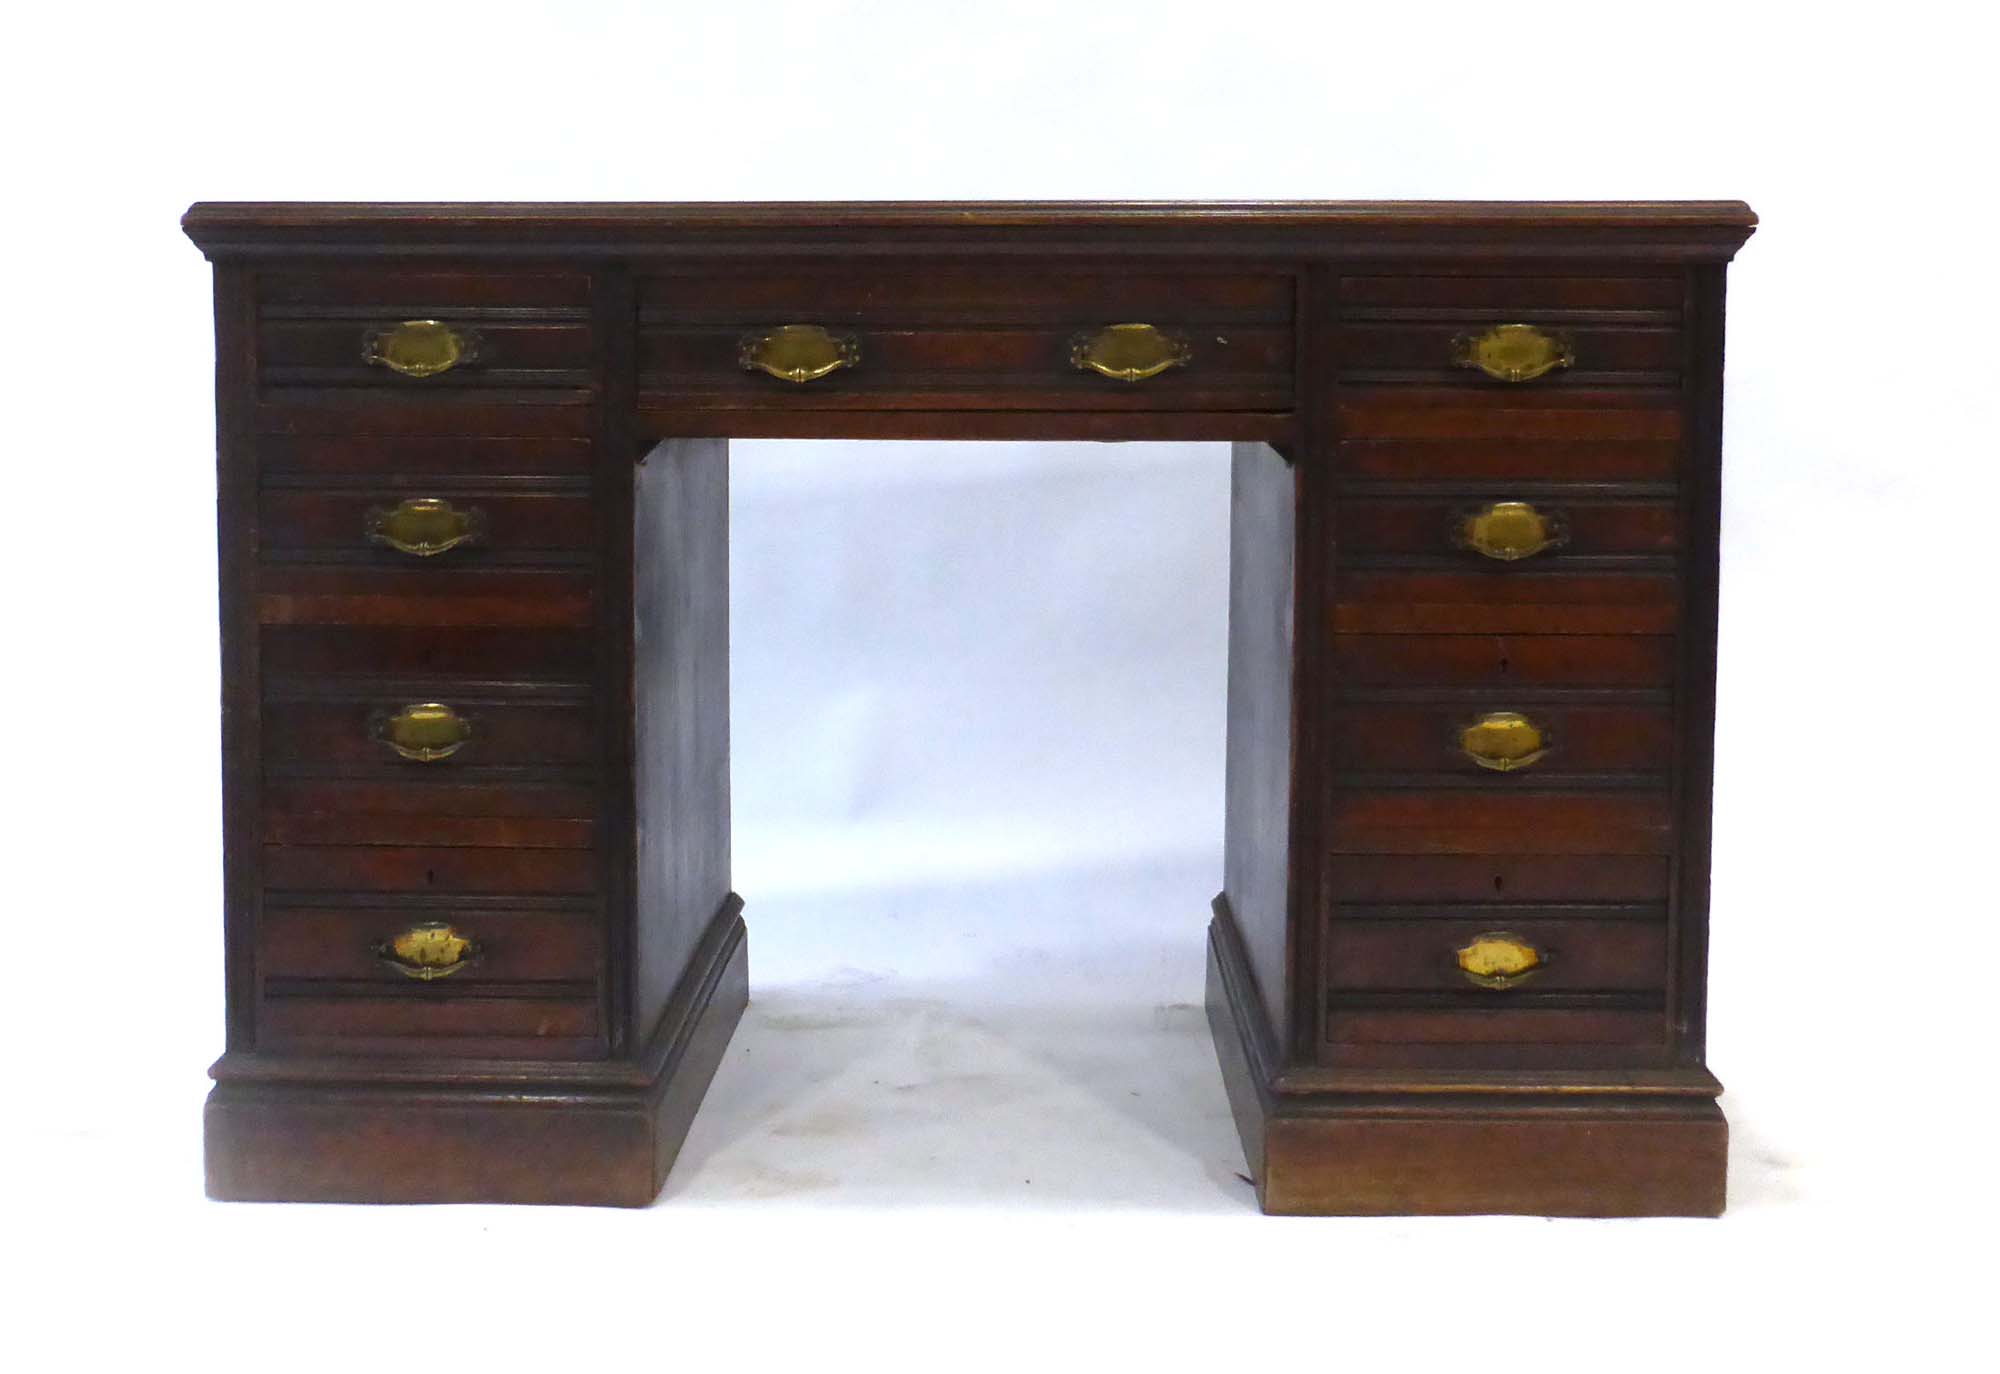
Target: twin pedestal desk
point(481, 941)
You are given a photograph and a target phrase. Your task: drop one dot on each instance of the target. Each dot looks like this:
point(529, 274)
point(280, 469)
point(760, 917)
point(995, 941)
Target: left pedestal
point(480, 938)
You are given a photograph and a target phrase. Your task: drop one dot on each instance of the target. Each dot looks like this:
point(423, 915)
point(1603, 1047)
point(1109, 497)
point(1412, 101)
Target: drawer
point(452, 654)
point(1439, 526)
point(395, 461)
point(420, 289)
point(1433, 352)
point(437, 595)
point(428, 805)
point(1510, 414)
point(1505, 600)
point(1480, 821)
point(1504, 460)
point(358, 824)
point(1504, 660)
point(1417, 294)
point(964, 338)
point(409, 739)
point(1459, 956)
point(337, 944)
point(512, 525)
point(430, 1020)
point(416, 328)
point(456, 870)
point(526, 985)
point(1631, 1024)
point(424, 796)
point(379, 350)
point(1359, 879)
point(1562, 739)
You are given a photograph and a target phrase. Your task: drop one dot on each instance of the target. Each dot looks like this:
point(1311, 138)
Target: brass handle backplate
point(1128, 352)
point(428, 950)
point(425, 526)
point(1499, 959)
point(421, 348)
point(1508, 531)
point(1514, 352)
point(422, 731)
point(798, 352)
point(1503, 741)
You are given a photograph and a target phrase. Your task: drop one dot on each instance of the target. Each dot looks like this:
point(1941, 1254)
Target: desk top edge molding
point(1686, 230)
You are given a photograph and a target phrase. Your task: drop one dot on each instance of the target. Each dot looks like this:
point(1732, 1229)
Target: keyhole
point(1499, 883)
point(430, 877)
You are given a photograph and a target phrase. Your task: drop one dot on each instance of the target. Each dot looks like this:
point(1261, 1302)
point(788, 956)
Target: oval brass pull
point(1508, 531)
point(428, 950)
point(425, 526)
point(1513, 352)
point(423, 731)
point(1503, 741)
point(1499, 960)
point(1128, 352)
point(420, 348)
point(798, 352)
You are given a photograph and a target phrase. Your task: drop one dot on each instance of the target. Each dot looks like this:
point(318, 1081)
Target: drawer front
point(1504, 660)
point(429, 736)
point(429, 795)
point(1437, 526)
point(343, 523)
point(1379, 601)
point(1431, 352)
point(1443, 955)
point(393, 462)
point(1554, 739)
point(492, 353)
point(441, 596)
point(963, 338)
point(456, 870)
point(1648, 296)
point(432, 1023)
point(1355, 880)
point(421, 289)
point(1498, 819)
point(421, 329)
point(1529, 414)
point(1629, 1029)
point(456, 655)
point(557, 952)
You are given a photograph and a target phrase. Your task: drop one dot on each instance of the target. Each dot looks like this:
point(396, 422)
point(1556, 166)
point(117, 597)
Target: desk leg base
point(592, 1141)
point(1538, 1151)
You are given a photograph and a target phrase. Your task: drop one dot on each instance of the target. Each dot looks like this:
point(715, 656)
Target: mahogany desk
point(481, 942)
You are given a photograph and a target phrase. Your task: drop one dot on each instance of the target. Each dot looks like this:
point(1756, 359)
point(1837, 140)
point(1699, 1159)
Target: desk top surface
point(221, 227)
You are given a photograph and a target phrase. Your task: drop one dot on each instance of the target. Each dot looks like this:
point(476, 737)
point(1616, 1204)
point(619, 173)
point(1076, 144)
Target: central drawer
point(967, 338)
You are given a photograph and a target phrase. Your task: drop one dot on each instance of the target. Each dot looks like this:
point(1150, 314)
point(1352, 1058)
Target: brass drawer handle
point(428, 950)
point(1514, 352)
point(422, 732)
point(1128, 352)
point(425, 526)
point(421, 348)
point(798, 352)
point(1499, 960)
point(1504, 741)
point(1508, 531)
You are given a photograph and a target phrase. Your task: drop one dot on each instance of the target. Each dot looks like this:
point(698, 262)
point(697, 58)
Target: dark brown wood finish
point(1258, 781)
point(582, 833)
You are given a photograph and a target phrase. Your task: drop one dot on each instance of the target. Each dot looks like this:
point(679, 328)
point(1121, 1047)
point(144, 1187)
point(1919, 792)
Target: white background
point(973, 1118)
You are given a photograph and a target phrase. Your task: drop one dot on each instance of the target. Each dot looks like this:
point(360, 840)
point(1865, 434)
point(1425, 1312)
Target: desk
point(480, 934)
